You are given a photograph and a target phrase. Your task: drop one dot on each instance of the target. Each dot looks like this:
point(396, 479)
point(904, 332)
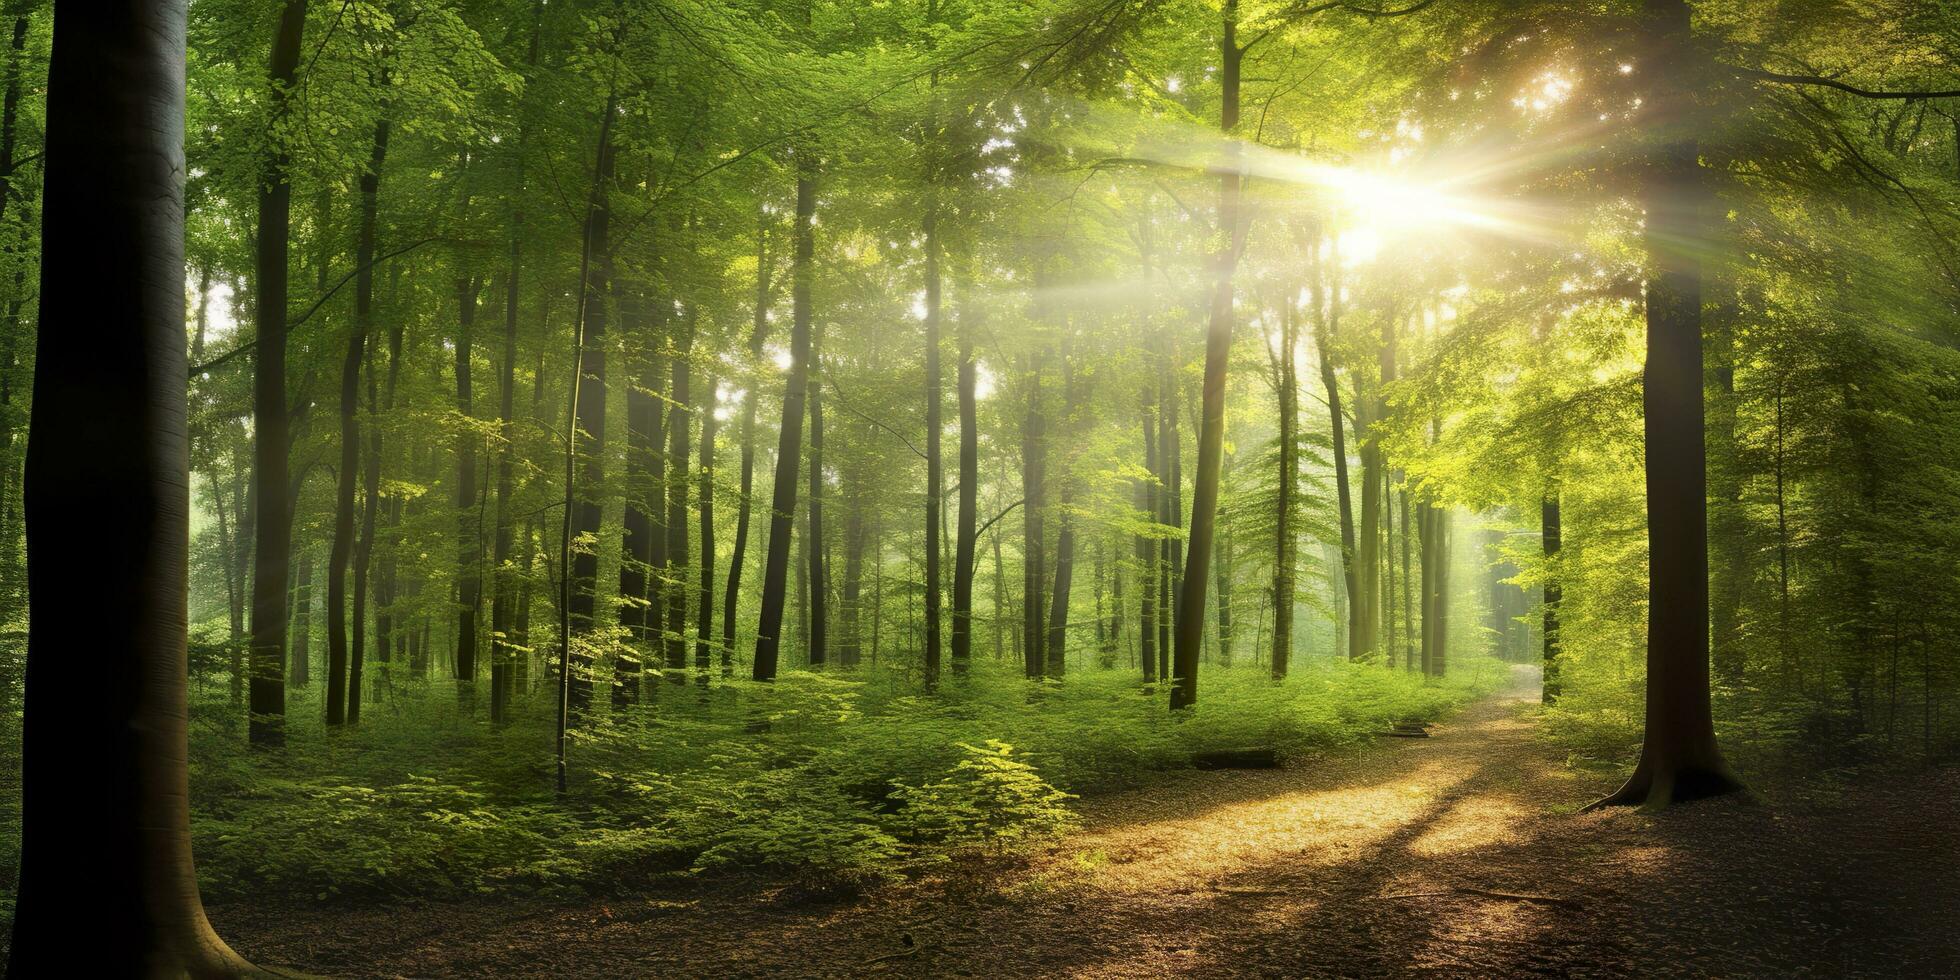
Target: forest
point(980, 487)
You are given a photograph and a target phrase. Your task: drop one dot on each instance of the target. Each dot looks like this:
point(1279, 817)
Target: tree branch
point(1863, 93)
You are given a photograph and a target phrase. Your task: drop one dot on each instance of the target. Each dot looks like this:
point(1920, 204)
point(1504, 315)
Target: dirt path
point(1457, 855)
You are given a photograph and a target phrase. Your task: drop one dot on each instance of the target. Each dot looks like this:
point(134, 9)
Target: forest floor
point(1462, 854)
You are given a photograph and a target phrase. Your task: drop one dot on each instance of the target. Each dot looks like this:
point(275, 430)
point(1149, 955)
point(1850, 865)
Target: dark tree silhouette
point(103, 773)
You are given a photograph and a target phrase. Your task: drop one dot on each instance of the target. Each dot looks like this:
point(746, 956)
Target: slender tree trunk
point(103, 767)
point(1056, 647)
point(579, 566)
point(1678, 758)
point(364, 547)
point(505, 649)
point(851, 641)
point(674, 573)
point(1287, 563)
point(272, 537)
point(789, 446)
point(1218, 349)
point(705, 501)
point(935, 462)
point(819, 580)
point(302, 666)
point(1034, 480)
point(969, 479)
point(758, 332)
point(643, 549)
point(1552, 537)
point(1149, 568)
point(469, 524)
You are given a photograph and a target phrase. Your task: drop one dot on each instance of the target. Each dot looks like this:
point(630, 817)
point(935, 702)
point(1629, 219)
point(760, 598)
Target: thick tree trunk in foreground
point(789, 445)
point(1218, 349)
point(103, 773)
point(1679, 759)
point(274, 531)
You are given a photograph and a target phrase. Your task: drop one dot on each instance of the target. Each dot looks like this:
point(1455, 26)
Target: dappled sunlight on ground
point(1457, 856)
point(1474, 822)
point(1313, 828)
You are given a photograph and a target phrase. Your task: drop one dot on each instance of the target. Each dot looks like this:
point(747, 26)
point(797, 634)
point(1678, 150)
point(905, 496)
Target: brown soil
point(1456, 855)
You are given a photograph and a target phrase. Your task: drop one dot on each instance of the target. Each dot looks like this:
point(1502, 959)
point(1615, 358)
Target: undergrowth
point(844, 777)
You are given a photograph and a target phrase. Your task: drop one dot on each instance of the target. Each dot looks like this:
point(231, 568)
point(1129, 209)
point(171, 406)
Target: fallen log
point(1236, 759)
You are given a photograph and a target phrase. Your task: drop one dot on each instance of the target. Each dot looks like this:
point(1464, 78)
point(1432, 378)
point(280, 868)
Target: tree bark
point(1552, 536)
point(705, 501)
point(469, 523)
point(1679, 759)
point(969, 479)
point(758, 332)
point(789, 445)
point(272, 535)
point(1218, 350)
point(1034, 479)
point(1287, 562)
point(505, 649)
point(348, 474)
point(106, 739)
point(578, 575)
point(935, 464)
point(1148, 566)
point(673, 574)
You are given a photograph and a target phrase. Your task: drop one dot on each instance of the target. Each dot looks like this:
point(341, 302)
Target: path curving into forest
point(1455, 855)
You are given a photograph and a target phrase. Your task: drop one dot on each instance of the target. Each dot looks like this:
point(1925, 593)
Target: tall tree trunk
point(1678, 758)
point(969, 479)
point(1149, 568)
point(1223, 570)
point(272, 537)
point(348, 475)
point(935, 461)
point(1218, 349)
point(1056, 647)
point(1553, 538)
point(851, 639)
point(578, 574)
point(103, 766)
point(469, 522)
point(371, 469)
point(364, 547)
point(819, 582)
point(1170, 490)
point(505, 648)
point(302, 667)
point(789, 445)
point(673, 574)
point(642, 548)
point(705, 501)
point(1342, 493)
point(758, 332)
point(1034, 479)
point(1410, 660)
point(1287, 562)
